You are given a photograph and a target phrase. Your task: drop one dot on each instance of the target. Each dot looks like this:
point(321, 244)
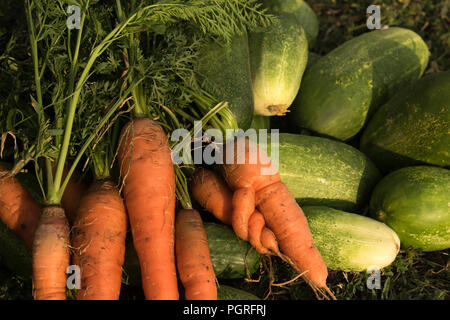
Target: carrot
point(281, 212)
point(193, 257)
point(212, 193)
point(18, 210)
point(98, 241)
point(149, 191)
point(50, 255)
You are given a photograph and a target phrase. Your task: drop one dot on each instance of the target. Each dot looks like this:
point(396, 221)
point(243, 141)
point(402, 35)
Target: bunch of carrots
point(259, 208)
point(85, 222)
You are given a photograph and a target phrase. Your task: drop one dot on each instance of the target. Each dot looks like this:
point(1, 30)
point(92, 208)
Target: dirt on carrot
point(149, 191)
point(193, 258)
point(98, 242)
point(51, 255)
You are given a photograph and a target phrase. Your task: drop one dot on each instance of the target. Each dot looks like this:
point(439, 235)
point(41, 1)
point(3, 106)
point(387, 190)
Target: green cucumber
point(415, 202)
point(260, 122)
point(231, 257)
point(278, 57)
point(13, 253)
point(302, 11)
point(312, 59)
point(225, 292)
point(341, 90)
point(321, 171)
point(413, 127)
point(351, 242)
point(224, 71)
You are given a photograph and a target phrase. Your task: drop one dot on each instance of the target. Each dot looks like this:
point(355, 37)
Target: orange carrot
point(149, 191)
point(98, 242)
point(281, 212)
point(51, 255)
point(18, 210)
point(213, 194)
point(193, 257)
point(244, 203)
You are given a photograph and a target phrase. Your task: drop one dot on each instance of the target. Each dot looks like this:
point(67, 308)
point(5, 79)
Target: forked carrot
point(213, 194)
point(281, 212)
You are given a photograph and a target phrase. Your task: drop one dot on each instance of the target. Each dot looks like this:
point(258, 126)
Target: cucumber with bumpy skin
point(415, 202)
point(346, 86)
point(278, 57)
point(351, 242)
point(231, 257)
point(412, 128)
point(321, 171)
point(224, 71)
point(302, 11)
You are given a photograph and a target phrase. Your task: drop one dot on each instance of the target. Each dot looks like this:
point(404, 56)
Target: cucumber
point(412, 128)
point(351, 242)
point(278, 57)
point(13, 253)
point(312, 59)
point(302, 11)
point(260, 122)
point(230, 255)
point(224, 70)
point(225, 292)
point(346, 86)
point(415, 202)
point(321, 171)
